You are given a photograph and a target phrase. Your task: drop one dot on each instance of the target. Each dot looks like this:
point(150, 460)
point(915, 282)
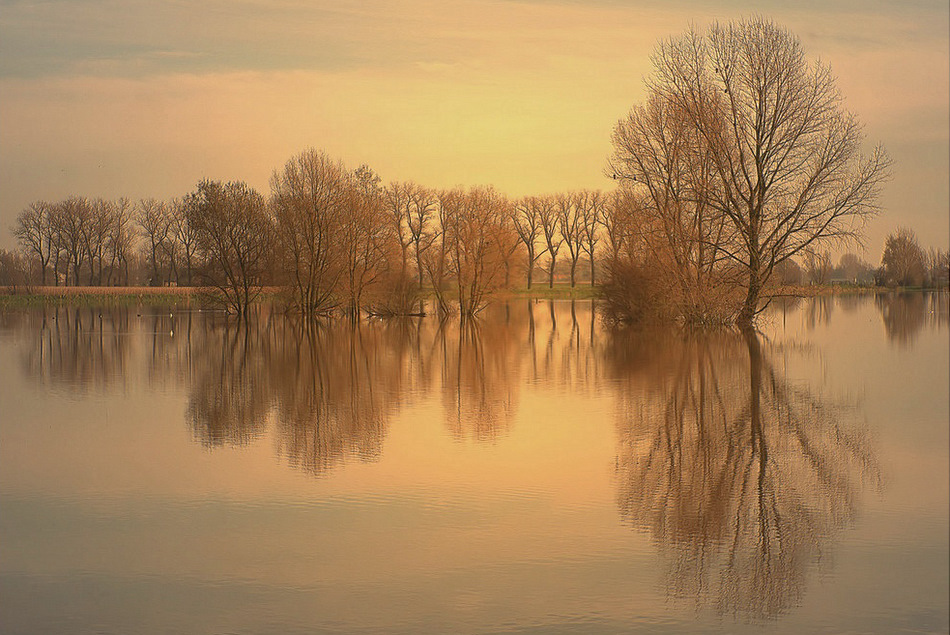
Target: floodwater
point(169, 471)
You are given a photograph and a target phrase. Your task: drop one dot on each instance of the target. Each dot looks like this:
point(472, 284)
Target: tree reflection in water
point(229, 396)
point(905, 314)
point(328, 388)
point(480, 371)
point(741, 477)
point(337, 385)
point(79, 348)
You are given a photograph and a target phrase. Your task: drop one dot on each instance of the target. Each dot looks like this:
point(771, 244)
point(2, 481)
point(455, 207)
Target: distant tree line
point(904, 263)
point(333, 239)
point(337, 240)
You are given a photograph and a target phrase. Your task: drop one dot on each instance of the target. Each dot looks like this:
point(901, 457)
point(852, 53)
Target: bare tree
point(366, 237)
point(185, 239)
point(14, 270)
point(569, 225)
point(547, 215)
point(398, 200)
point(617, 217)
point(675, 231)
point(527, 224)
point(817, 266)
point(590, 206)
point(507, 238)
point(234, 234)
point(72, 217)
point(154, 221)
point(939, 267)
point(435, 260)
point(786, 157)
point(310, 195)
point(53, 233)
point(473, 233)
point(31, 232)
point(421, 211)
point(120, 240)
point(96, 235)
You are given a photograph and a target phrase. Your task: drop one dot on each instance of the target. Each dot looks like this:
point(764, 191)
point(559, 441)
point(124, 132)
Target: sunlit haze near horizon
point(145, 98)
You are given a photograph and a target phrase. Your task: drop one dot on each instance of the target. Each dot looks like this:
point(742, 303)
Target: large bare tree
point(787, 166)
point(476, 258)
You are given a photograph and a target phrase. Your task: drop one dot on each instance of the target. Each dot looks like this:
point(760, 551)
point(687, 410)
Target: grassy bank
point(195, 296)
point(812, 290)
point(100, 296)
point(560, 291)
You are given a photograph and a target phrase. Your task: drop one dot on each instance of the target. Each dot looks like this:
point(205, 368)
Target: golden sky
point(145, 97)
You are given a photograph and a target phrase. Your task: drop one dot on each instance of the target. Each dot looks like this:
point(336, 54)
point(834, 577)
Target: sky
point(144, 98)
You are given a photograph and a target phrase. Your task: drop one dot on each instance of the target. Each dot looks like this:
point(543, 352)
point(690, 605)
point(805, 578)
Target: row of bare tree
point(345, 240)
point(333, 238)
point(96, 242)
point(79, 240)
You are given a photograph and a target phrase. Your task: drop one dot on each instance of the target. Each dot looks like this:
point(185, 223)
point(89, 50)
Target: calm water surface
point(171, 472)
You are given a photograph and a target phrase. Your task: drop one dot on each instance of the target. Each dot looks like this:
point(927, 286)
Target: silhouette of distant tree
point(904, 262)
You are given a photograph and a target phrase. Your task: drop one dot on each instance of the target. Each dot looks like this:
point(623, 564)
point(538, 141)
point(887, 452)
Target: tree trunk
point(751, 303)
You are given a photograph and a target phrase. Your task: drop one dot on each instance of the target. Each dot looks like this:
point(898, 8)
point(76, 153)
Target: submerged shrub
point(636, 291)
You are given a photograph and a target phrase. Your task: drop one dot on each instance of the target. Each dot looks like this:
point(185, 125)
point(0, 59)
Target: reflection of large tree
point(741, 477)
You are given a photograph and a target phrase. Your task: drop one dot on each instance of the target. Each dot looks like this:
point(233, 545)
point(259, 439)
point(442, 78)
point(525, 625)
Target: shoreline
point(84, 295)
